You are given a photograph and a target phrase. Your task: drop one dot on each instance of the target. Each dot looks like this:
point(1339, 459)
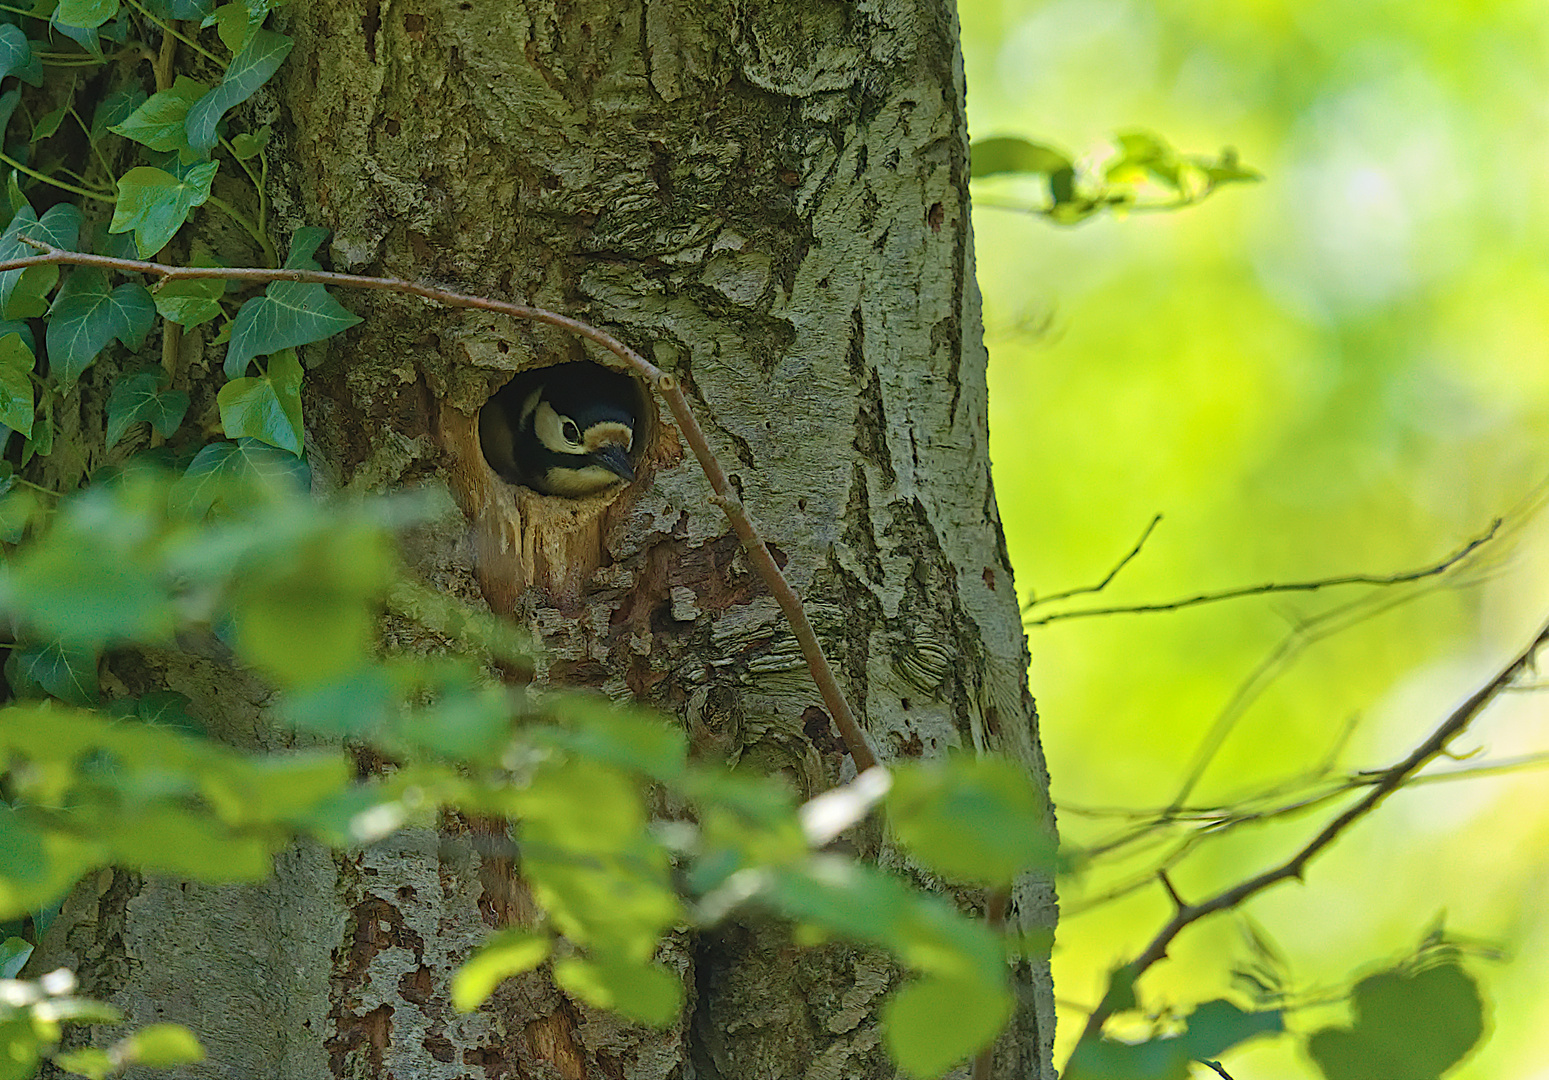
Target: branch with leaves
point(1385, 782)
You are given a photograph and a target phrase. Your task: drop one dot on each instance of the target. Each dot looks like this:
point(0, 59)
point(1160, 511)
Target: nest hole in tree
point(524, 539)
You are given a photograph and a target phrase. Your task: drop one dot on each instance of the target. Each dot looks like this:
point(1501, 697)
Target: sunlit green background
point(1342, 369)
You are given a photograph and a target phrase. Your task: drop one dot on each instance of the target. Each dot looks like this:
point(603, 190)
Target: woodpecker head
point(563, 430)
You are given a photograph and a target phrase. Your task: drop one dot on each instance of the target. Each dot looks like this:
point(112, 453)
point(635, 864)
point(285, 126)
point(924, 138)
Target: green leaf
point(49, 123)
point(16, 57)
point(306, 614)
point(971, 819)
point(172, 840)
point(87, 1061)
point(249, 70)
point(159, 122)
point(304, 243)
point(234, 22)
point(933, 1023)
point(250, 144)
point(649, 993)
point(595, 728)
point(86, 316)
point(1012, 155)
point(84, 36)
point(16, 400)
point(507, 953)
point(231, 471)
point(267, 408)
point(22, 858)
point(168, 709)
point(23, 292)
point(161, 1046)
point(1218, 1026)
point(20, 1047)
point(60, 669)
point(1417, 1024)
point(114, 108)
point(85, 14)
point(466, 723)
point(288, 314)
point(13, 950)
point(356, 706)
point(154, 203)
point(190, 302)
point(142, 397)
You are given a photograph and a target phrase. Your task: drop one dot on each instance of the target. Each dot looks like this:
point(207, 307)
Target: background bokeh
point(1343, 369)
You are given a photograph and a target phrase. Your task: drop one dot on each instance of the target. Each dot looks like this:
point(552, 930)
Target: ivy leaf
point(235, 22)
point(23, 292)
point(250, 144)
point(304, 243)
point(286, 315)
point(113, 109)
point(154, 203)
point(60, 669)
point(159, 122)
point(250, 69)
point(49, 123)
point(267, 408)
point(191, 301)
point(85, 14)
point(16, 402)
point(224, 468)
point(17, 58)
point(86, 316)
point(84, 36)
point(142, 397)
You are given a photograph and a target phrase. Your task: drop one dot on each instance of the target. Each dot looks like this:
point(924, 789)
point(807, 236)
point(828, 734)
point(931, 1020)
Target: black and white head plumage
point(565, 430)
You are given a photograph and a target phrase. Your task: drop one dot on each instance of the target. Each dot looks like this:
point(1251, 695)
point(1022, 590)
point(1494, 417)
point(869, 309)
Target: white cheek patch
point(549, 429)
point(578, 482)
point(608, 433)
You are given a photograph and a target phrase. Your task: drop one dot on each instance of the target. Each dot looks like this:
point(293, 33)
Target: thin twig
point(1034, 601)
point(1391, 780)
point(665, 384)
point(1271, 588)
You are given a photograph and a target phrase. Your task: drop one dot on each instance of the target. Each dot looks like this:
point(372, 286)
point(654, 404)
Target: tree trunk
point(768, 198)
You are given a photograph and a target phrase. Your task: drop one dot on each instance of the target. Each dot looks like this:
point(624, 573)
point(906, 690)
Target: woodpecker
point(562, 430)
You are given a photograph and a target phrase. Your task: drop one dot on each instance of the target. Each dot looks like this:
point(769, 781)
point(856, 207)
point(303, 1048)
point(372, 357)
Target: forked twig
point(1391, 779)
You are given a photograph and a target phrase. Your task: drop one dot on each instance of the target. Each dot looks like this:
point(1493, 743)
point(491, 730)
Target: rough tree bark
point(769, 198)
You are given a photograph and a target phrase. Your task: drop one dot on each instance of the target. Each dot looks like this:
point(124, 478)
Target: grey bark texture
point(770, 200)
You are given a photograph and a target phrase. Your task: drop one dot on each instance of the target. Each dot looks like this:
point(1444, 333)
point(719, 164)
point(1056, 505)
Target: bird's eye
point(571, 433)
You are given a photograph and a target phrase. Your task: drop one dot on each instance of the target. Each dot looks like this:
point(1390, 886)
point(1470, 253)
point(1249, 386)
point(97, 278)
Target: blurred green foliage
point(248, 561)
point(1343, 368)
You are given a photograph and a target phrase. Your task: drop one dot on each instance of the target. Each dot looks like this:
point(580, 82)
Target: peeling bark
point(768, 198)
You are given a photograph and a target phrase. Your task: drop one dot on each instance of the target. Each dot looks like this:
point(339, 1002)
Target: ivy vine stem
point(248, 226)
point(166, 28)
point(85, 193)
point(724, 497)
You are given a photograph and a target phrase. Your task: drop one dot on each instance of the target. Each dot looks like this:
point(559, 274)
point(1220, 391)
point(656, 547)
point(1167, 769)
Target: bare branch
point(1272, 588)
point(1034, 601)
point(1390, 780)
point(724, 497)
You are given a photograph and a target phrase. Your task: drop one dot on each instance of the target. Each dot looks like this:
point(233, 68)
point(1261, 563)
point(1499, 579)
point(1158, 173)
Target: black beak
point(615, 460)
